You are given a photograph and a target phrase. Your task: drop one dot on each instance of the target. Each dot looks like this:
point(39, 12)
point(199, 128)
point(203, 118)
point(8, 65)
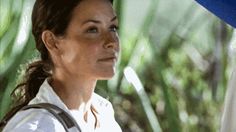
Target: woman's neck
point(76, 93)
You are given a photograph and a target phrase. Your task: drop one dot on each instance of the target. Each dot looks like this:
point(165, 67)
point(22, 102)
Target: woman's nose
point(111, 41)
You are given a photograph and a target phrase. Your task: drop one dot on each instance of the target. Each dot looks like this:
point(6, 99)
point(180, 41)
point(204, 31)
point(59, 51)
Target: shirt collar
point(46, 94)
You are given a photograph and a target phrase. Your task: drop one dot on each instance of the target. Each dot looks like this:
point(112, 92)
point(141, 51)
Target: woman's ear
point(50, 41)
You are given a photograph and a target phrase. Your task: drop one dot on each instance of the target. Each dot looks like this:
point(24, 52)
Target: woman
point(79, 45)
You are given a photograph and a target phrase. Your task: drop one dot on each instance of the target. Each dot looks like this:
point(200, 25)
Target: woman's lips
point(108, 59)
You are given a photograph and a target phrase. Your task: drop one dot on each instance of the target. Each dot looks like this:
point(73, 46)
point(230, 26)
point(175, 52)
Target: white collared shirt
point(39, 120)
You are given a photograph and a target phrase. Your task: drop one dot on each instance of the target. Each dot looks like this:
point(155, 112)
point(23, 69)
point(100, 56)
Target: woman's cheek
point(70, 54)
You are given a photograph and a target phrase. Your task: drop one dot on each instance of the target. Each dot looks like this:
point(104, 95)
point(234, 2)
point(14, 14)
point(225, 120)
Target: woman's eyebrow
point(91, 20)
point(97, 21)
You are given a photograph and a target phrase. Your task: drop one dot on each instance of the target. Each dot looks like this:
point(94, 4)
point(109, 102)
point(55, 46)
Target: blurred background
point(182, 54)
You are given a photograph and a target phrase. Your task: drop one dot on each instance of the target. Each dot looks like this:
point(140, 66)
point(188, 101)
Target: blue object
point(224, 9)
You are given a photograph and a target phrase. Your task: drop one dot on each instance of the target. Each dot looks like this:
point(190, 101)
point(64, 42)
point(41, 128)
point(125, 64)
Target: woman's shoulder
point(105, 114)
point(101, 100)
point(101, 104)
point(33, 120)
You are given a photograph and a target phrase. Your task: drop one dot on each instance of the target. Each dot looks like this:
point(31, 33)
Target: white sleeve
point(33, 120)
point(229, 113)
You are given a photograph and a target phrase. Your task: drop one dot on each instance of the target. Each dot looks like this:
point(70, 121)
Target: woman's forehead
point(93, 9)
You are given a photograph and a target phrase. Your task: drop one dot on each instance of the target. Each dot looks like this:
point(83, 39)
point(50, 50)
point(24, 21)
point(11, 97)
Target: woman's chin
point(107, 75)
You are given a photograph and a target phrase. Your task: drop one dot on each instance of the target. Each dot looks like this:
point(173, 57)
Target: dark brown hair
point(53, 15)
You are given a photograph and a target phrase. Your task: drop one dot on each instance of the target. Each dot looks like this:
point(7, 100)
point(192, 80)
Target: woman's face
point(90, 46)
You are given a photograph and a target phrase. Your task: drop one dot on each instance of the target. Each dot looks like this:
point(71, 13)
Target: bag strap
point(63, 117)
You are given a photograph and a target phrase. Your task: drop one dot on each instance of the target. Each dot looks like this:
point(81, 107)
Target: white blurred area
point(232, 48)
point(229, 108)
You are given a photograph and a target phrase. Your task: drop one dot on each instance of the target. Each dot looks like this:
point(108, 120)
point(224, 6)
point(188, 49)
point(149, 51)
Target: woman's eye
point(92, 30)
point(114, 28)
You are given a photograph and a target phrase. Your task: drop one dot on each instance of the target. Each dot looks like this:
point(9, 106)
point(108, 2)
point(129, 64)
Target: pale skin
point(86, 53)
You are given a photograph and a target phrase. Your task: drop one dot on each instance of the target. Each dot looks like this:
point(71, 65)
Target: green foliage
point(178, 50)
